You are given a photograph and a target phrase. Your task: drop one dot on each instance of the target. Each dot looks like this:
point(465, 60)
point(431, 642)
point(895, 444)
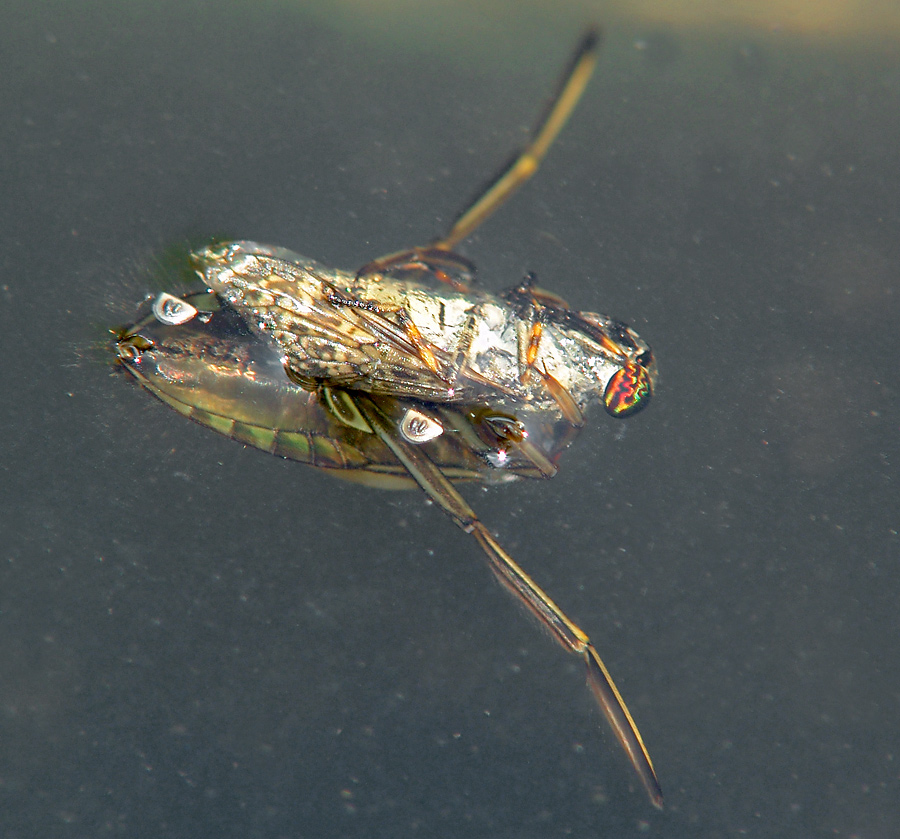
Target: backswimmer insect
point(405, 374)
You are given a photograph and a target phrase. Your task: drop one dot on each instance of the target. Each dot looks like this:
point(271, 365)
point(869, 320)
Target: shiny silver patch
point(498, 458)
point(417, 428)
point(172, 310)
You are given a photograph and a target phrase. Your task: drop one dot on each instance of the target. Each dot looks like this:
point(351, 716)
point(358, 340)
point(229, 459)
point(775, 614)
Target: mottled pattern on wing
point(330, 335)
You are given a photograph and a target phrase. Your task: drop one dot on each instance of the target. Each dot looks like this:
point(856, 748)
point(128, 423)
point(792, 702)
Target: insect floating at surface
point(405, 374)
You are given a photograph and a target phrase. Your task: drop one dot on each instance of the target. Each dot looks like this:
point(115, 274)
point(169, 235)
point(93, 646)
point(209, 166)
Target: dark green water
point(197, 640)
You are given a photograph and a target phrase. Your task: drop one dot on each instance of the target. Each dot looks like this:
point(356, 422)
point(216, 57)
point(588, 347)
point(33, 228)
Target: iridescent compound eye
point(627, 391)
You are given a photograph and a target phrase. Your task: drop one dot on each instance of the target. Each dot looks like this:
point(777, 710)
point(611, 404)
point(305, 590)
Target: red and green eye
point(627, 391)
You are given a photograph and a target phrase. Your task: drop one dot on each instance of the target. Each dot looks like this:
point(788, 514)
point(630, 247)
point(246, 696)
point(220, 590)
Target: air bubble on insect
point(498, 458)
point(416, 427)
point(172, 310)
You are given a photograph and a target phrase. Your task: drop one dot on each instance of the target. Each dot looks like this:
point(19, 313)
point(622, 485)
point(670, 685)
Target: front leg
point(531, 304)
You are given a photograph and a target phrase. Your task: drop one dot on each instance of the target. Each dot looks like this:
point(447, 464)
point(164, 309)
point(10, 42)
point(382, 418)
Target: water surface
point(200, 640)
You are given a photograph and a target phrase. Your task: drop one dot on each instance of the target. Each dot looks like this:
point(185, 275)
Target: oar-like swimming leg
point(435, 484)
point(527, 160)
point(515, 173)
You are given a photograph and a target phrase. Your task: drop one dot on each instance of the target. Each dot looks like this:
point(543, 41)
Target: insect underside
point(405, 374)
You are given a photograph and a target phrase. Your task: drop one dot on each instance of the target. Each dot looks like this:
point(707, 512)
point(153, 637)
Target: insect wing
point(333, 328)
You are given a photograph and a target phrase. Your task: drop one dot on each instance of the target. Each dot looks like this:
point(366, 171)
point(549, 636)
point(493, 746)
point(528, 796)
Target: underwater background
point(199, 640)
